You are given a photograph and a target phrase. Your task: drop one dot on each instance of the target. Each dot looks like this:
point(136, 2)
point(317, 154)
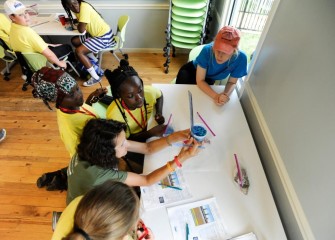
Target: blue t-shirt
point(236, 66)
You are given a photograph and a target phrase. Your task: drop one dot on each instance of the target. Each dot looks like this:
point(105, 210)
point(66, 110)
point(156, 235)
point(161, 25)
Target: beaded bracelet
point(169, 167)
point(176, 160)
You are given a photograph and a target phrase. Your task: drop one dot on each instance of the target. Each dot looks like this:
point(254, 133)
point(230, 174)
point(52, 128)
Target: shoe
point(46, 179)
point(2, 134)
point(92, 81)
point(59, 182)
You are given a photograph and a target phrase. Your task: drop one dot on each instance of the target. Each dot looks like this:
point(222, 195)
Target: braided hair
point(116, 78)
point(68, 11)
point(119, 75)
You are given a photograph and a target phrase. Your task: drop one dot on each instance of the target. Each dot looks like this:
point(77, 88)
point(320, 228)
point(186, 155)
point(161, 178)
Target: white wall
point(290, 108)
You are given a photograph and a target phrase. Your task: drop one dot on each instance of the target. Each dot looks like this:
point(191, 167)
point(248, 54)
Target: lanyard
point(143, 123)
point(71, 111)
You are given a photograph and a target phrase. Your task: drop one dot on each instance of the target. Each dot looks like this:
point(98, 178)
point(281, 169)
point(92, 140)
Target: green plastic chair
point(120, 38)
point(184, 33)
point(188, 12)
point(36, 61)
point(196, 4)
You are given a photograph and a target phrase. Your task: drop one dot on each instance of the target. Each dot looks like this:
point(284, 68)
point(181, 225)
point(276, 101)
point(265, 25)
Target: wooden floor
point(33, 146)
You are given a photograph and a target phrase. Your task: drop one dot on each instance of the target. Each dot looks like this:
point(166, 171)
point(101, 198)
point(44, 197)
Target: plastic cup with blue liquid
point(198, 132)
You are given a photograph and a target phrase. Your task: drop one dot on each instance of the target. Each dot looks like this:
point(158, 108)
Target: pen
point(168, 186)
point(206, 124)
point(187, 231)
point(238, 170)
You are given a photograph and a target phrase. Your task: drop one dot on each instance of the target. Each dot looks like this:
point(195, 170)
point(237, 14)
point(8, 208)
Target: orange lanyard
point(71, 111)
point(143, 123)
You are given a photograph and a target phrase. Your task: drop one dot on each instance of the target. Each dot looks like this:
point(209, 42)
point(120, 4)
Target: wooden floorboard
point(33, 146)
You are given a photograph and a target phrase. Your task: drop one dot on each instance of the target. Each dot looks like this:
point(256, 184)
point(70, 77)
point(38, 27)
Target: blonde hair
point(108, 211)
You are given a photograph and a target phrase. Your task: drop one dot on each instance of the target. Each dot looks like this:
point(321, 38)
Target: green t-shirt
point(82, 176)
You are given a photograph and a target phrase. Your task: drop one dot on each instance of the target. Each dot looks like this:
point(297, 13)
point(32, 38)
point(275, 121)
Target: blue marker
point(187, 231)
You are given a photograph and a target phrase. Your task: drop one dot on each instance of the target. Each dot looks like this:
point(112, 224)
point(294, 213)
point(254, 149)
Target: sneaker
point(92, 81)
point(2, 134)
point(46, 179)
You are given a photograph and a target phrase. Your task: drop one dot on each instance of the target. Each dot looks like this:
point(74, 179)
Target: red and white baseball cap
point(14, 7)
point(227, 40)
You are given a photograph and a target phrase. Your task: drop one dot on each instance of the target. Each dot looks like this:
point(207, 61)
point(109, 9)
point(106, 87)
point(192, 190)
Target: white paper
point(202, 217)
point(157, 195)
point(248, 236)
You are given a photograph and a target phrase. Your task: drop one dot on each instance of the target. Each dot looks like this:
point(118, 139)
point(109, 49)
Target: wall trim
point(103, 6)
point(294, 202)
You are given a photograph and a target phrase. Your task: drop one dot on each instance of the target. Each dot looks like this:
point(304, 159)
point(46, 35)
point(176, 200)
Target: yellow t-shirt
point(96, 26)
point(4, 28)
point(71, 126)
point(65, 223)
point(151, 95)
point(24, 39)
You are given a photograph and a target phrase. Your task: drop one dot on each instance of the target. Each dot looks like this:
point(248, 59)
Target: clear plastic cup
point(199, 132)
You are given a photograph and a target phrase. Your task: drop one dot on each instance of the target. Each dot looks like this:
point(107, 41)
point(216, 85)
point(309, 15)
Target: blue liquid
point(199, 131)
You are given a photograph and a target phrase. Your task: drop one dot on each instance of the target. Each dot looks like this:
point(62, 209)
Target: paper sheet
point(202, 217)
point(157, 195)
point(248, 236)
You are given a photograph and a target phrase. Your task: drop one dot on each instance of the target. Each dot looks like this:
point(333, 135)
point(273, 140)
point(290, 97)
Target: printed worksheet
point(199, 220)
point(171, 189)
point(248, 236)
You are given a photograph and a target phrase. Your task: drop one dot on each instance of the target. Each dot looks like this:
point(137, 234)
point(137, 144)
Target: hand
point(96, 95)
point(159, 119)
point(143, 232)
point(190, 150)
point(180, 135)
point(221, 99)
point(62, 64)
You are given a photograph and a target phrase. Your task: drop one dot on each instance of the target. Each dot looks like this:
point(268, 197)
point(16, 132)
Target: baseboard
point(253, 110)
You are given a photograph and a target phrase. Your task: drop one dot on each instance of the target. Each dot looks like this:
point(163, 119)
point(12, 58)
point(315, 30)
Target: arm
point(81, 27)
point(158, 144)
point(156, 131)
point(53, 58)
point(134, 179)
point(203, 85)
point(229, 88)
point(159, 109)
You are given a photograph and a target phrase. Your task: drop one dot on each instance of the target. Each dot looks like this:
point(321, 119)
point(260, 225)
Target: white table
point(210, 174)
point(50, 25)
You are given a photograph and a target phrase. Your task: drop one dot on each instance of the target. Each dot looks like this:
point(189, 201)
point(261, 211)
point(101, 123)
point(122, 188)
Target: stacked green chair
point(187, 26)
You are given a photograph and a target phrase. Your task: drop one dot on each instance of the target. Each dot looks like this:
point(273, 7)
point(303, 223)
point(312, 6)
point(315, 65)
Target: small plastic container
point(199, 132)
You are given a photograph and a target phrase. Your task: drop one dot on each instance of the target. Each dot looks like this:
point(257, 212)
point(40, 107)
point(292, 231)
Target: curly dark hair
point(97, 142)
point(119, 75)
